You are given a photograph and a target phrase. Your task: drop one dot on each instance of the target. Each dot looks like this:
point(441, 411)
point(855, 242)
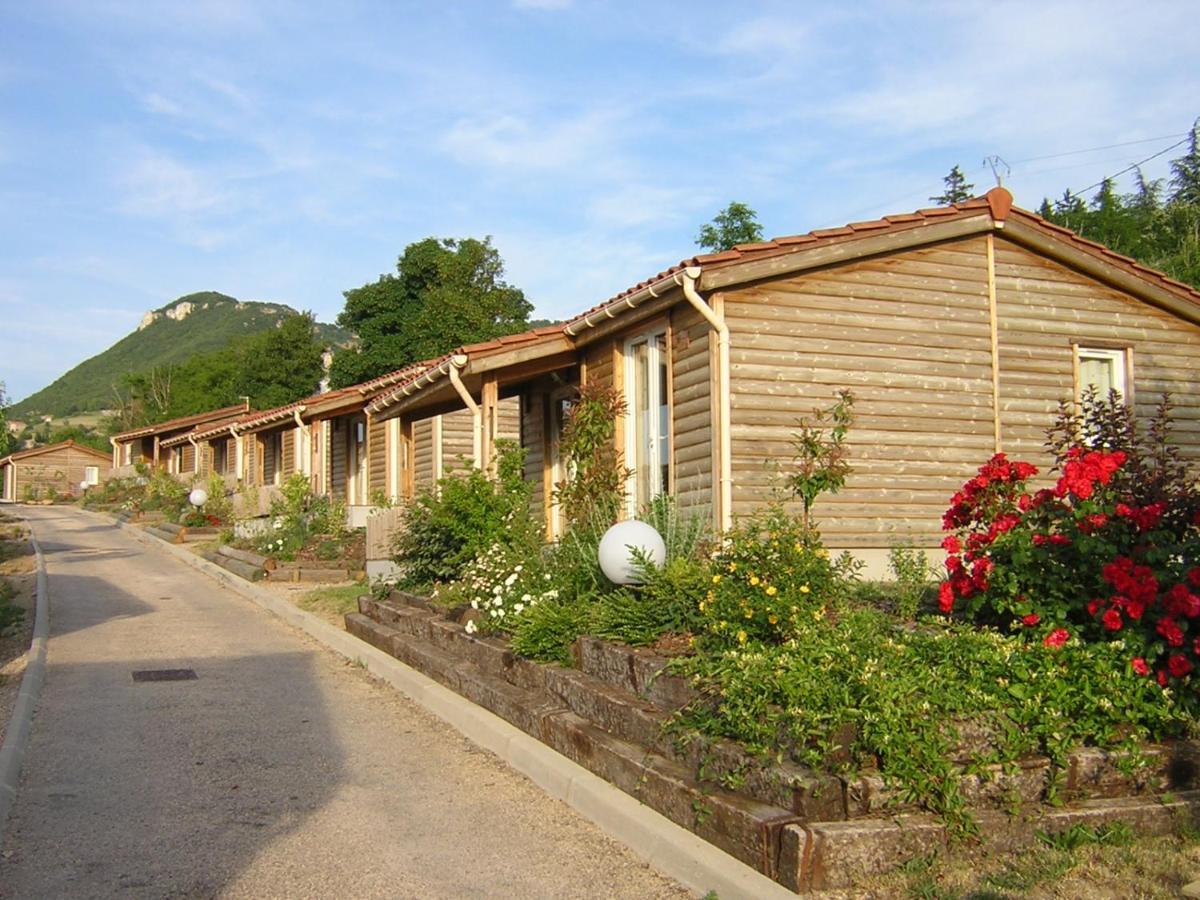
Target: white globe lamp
point(616, 558)
point(198, 497)
point(83, 486)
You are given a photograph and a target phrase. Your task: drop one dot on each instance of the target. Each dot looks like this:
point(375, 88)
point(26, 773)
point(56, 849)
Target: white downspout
point(687, 280)
point(237, 453)
point(195, 455)
point(457, 363)
point(116, 452)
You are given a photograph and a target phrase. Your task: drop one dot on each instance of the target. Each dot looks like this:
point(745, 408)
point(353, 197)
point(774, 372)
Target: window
point(220, 457)
point(648, 436)
point(91, 474)
point(1105, 370)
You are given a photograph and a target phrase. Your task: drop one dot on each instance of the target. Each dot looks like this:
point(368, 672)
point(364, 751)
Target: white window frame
point(91, 474)
point(655, 450)
point(1118, 357)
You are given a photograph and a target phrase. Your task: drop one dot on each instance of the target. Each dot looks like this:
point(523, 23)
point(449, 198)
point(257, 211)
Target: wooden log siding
point(377, 457)
point(535, 407)
point(289, 453)
point(250, 458)
point(338, 436)
point(188, 464)
point(1044, 307)
point(910, 334)
point(598, 362)
point(422, 454)
point(458, 441)
point(691, 411)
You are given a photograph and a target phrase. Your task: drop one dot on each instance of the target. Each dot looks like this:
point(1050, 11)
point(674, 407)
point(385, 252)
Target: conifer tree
point(957, 189)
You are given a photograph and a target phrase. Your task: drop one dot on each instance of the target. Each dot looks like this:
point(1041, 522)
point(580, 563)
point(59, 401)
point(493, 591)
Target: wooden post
point(488, 407)
point(408, 460)
point(993, 320)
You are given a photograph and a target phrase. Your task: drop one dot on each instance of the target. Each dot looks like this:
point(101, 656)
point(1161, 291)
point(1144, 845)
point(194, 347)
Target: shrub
point(1108, 555)
point(594, 488)
point(299, 518)
point(913, 574)
point(464, 515)
point(771, 573)
point(668, 602)
point(546, 631)
point(820, 458)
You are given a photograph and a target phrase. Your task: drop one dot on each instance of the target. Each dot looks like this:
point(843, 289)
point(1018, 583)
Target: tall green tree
point(957, 189)
point(279, 366)
point(1185, 172)
point(735, 224)
point(7, 442)
point(445, 293)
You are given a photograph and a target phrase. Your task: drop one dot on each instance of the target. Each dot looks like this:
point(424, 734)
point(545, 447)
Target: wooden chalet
point(54, 470)
point(959, 329)
point(143, 445)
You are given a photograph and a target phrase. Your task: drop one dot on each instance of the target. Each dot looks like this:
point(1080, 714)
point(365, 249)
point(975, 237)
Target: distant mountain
point(196, 323)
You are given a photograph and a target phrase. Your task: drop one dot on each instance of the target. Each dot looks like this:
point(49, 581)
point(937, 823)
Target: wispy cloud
point(542, 4)
point(513, 143)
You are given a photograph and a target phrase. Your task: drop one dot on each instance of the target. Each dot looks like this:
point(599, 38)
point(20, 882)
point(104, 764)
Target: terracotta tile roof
point(182, 422)
point(203, 430)
point(480, 350)
point(997, 202)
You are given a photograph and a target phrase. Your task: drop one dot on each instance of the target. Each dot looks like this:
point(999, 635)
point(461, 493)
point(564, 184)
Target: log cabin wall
point(377, 456)
point(1043, 308)
point(692, 413)
point(289, 452)
point(534, 410)
point(909, 333)
point(188, 459)
point(458, 441)
point(422, 454)
point(338, 436)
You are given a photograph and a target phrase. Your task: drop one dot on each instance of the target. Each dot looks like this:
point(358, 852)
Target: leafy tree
point(80, 434)
point(735, 224)
point(6, 439)
point(1185, 172)
point(957, 189)
point(279, 366)
point(445, 293)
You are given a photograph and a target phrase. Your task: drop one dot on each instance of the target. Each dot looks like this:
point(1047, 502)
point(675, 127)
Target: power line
point(1132, 166)
point(1164, 137)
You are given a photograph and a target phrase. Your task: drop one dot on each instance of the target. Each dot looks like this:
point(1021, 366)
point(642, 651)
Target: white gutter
point(687, 280)
point(456, 363)
point(649, 292)
point(383, 401)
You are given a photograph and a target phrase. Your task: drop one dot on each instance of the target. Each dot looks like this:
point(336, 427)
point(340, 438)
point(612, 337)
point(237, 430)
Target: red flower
point(1139, 666)
point(1194, 574)
point(1112, 620)
point(951, 544)
point(1056, 638)
point(1178, 665)
point(1031, 619)
point(1170, 632)
point(945, 597)
point(1161, 677)
point(1094, 606)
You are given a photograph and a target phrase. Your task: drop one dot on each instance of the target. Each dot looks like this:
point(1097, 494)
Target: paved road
point(279, 772)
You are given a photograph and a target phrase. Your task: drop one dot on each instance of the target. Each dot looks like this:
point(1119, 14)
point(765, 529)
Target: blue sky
point(289, 151)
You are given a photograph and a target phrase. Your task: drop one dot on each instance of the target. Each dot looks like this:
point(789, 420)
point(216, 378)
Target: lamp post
point(198, 497)
point(616, 550)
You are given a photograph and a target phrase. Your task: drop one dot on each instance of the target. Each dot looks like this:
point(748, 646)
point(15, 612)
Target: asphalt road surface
point(278, 771)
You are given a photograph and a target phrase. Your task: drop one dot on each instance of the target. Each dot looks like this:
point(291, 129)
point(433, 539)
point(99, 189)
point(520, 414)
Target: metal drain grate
point(165, 675)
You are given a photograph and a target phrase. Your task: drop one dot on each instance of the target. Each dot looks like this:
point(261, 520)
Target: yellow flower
point(772, 590)
point(773, 619)
point(754, 579)
point(716, 579)
point(733, 567)
point(703, 605)
point(804, 588)
point(749, 614)
point(822, 552)
point(741, 637)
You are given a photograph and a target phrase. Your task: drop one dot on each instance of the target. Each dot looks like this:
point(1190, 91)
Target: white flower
point(520, 607)
point(510, 580)
point(471, 628)
point(498, 590)
point(475, 603)
point(500, 613)
point(546, 577)
point(526, 598)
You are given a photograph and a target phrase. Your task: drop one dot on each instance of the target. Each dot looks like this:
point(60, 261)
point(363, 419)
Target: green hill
point(196, 323)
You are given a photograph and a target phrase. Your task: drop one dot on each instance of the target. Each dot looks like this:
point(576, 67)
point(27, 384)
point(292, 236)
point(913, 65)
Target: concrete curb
point(672, 850)
point(20, 723)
